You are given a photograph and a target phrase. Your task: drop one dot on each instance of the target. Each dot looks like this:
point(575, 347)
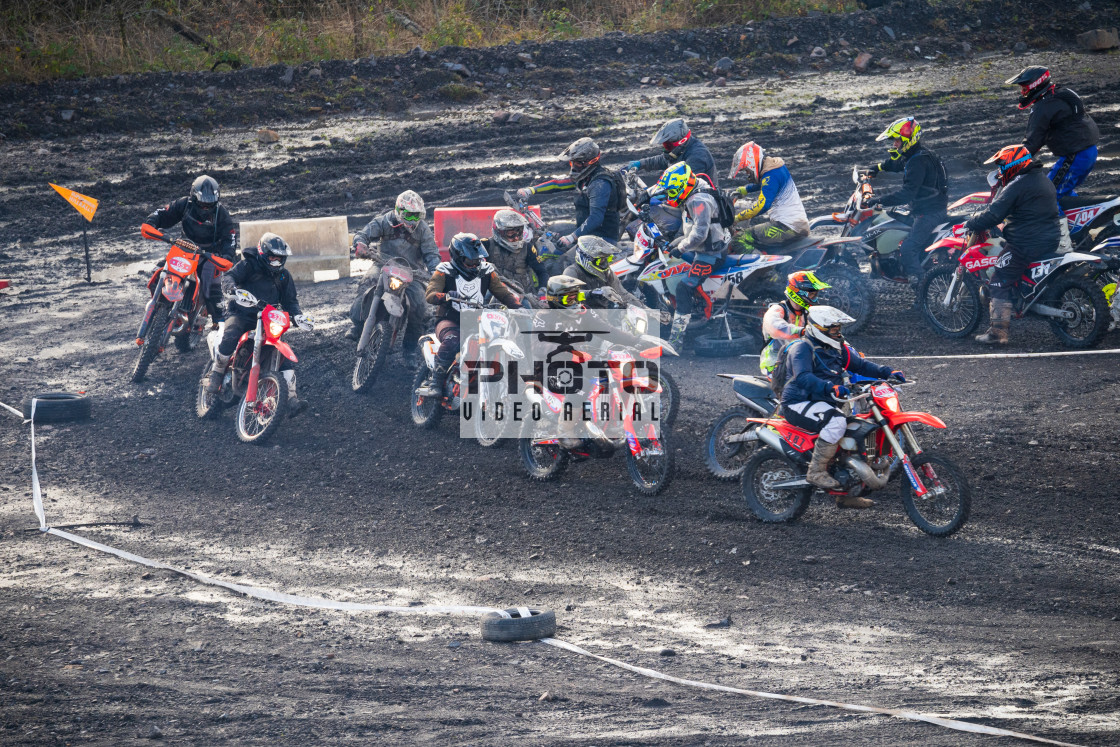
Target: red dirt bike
point(177, 308)
point(878, 441)
point(254, 373)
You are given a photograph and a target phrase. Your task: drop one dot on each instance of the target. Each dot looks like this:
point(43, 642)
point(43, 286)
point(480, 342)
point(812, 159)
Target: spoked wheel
point(372, 359)
point(189, 338)
point(543, 462)
point(944, 508)
point(1090, 311)
point(670, 398)
point(161, 317)
point(724, 460)
point(486, 431)
point(763, 472)
point(426, 411)
point(206, 405)
point(256, 422)
point(953, 315)
point(652, 469)
point(850, 292)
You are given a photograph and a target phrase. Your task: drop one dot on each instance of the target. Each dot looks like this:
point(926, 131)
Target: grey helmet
point(582, 157)
point(409, 210)
point(274, 252)
point(563, 291)
point(594, 255)
point(672, 136)
point(204, 198)
point(508, 230)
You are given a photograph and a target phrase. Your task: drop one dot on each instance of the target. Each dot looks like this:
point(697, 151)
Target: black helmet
point(467, 253)
point(672, 136)
point(274, 252)
point(204, 197)
point(1033, 82)
point(582, 156)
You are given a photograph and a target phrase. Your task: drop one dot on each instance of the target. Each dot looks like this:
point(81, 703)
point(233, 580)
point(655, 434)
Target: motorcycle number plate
point(882, 390)
point(392, 304)
point(179, 265)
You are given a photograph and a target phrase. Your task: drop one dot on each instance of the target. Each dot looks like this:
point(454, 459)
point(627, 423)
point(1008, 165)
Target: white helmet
point(825, 323)
point(508, 230)
point(409, 210)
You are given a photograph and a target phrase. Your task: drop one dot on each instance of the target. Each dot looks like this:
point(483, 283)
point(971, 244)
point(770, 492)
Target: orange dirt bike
point(254, 373)
point(177, 308)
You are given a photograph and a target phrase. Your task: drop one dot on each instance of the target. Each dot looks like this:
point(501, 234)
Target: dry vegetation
point(44, 39)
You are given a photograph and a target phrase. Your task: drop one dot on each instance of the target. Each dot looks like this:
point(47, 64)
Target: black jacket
point(814, 368)
point(217, 236)
point(599, 201)
point(1029, 206)
point(694, 153)
point(925, 184)
point(253, 275)
point(1059, 121)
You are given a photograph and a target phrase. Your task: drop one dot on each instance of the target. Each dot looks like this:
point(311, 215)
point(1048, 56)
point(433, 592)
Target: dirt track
point(1013, 622)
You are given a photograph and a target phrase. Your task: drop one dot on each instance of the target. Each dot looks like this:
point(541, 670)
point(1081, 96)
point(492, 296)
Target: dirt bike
point(953, 294)
point(497, 330)
point(878, 441)
point(1109, 277)
point(253, 374)
point(177, 308)
point(649, 460)
point(729, 442)
point(386, 320)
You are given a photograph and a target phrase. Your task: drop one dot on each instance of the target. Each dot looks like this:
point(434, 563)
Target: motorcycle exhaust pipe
point(750, 434)
point(770, 438)
point(866, 474)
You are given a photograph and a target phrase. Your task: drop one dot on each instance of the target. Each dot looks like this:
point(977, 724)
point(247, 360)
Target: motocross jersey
point(780, 325)
point(445, 279)
point(418, 247)
point(599, 202)
point(778, 198)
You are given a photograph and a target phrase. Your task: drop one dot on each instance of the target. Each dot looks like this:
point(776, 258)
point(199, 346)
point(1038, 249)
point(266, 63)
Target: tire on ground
point(711, 346)
point(57, 407)
point(539, 624)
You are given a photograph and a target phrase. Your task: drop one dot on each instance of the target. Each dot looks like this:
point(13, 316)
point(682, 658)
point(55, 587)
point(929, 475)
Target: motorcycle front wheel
point(426, 411)
point(372, 359)
point(543, 462)
point(149, 349)
point(726, 461)
point(652, 470)
point(772, 505)
point(956, 316)
point(944, 508)
point(256, 422)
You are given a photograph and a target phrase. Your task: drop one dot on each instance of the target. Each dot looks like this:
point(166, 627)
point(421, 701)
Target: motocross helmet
point(562, 292)
point(802, 289)
point(274, 252)
point(1010, 161)
point(907, 131)
point(676, 184)
point(825, 323)
point(672, 136)
point(204, 198)
point(508, 230)
point(409, 211)
point(1034, 82)
point(582, 156)
point(594, 255)
point(749, 158)
point(467, 253)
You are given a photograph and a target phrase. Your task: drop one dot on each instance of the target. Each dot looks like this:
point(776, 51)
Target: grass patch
point(459, 93)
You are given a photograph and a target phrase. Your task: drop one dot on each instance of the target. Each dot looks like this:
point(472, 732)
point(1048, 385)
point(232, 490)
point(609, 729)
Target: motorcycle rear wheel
point(850, 292)
point(255, 424)
point(188, 339)
point(962, 314)
point(938, 514)
point(543, 462)
point(651, 473)
point(1090, 308)
point(727, 461)
point(426, 411)
point(161, 317)
point(372, 359)
point(770, 505)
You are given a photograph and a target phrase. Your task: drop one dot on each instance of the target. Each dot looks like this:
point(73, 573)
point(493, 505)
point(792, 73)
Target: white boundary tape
point(1051, 354)
point(320, 603)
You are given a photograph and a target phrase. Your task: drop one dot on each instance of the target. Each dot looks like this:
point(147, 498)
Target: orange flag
point(87, 206)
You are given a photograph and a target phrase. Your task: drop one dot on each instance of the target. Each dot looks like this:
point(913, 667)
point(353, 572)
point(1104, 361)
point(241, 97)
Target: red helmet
point(748, 158)
point(1010, 161)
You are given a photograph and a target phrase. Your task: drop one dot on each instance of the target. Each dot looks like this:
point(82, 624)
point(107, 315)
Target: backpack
point(779, 375)
point(725, 206)
point(618, 183)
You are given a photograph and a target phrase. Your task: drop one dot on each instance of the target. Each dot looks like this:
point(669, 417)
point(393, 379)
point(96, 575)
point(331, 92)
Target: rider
point(816, 366)
point(600, 193)
point(404, 233)
point(511, 252)
point(208, 224)
point(262, 273)
point(777, 196)
point(1058, 120)
point(465, 278)
point(925, 187)
point(1027, 206)
point(701, 234)
point(593, 267)
point(680, 145)
point(785, 321)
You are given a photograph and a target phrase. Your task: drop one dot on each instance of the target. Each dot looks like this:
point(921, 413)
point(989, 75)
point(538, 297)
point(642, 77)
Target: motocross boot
point(1000, 327)
point(295, 404)
point(680, 324)
point(915, 281)
point(818, 475)
point(217, 373)
point(436, 384)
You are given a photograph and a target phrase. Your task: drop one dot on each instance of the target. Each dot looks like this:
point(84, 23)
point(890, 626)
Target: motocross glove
point(632, 166)
point(675, 247)
point(840, 391)
point(564, 243)
point(872, 201)
point(898, 375)
point(525, 193)
point(657, 199)
point(303, 322)
point(361, 250)
point(872, 171)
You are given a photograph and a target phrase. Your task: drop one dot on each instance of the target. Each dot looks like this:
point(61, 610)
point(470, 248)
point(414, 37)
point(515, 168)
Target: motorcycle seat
point(901, 216)
point(738, 260)
point(790, 247)
point(750, 389)
point(1071, 202)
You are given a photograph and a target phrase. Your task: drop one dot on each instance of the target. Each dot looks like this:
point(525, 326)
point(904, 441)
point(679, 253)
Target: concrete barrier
point(320, 246)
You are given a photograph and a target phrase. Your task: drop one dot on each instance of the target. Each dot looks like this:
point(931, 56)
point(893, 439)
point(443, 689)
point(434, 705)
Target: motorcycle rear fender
point(831, 219)
point(948, 243)
point(285, 350)
point(896, 419)
point(511, 349)
point(976, 198)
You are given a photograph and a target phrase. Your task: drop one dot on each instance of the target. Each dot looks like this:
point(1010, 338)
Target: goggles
point(409, 216)
point(580, 165)
point(832, 331)
point(513, 234)
point(603, 262)
point(567, 299)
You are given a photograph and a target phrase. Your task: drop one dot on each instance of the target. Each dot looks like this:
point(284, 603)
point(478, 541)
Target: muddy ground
point(1012, 622)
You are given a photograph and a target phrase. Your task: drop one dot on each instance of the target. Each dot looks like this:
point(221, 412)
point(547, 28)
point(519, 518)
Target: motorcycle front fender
point(511, 349)
point(823, 220)
point(896, 419)
point(285, 350)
